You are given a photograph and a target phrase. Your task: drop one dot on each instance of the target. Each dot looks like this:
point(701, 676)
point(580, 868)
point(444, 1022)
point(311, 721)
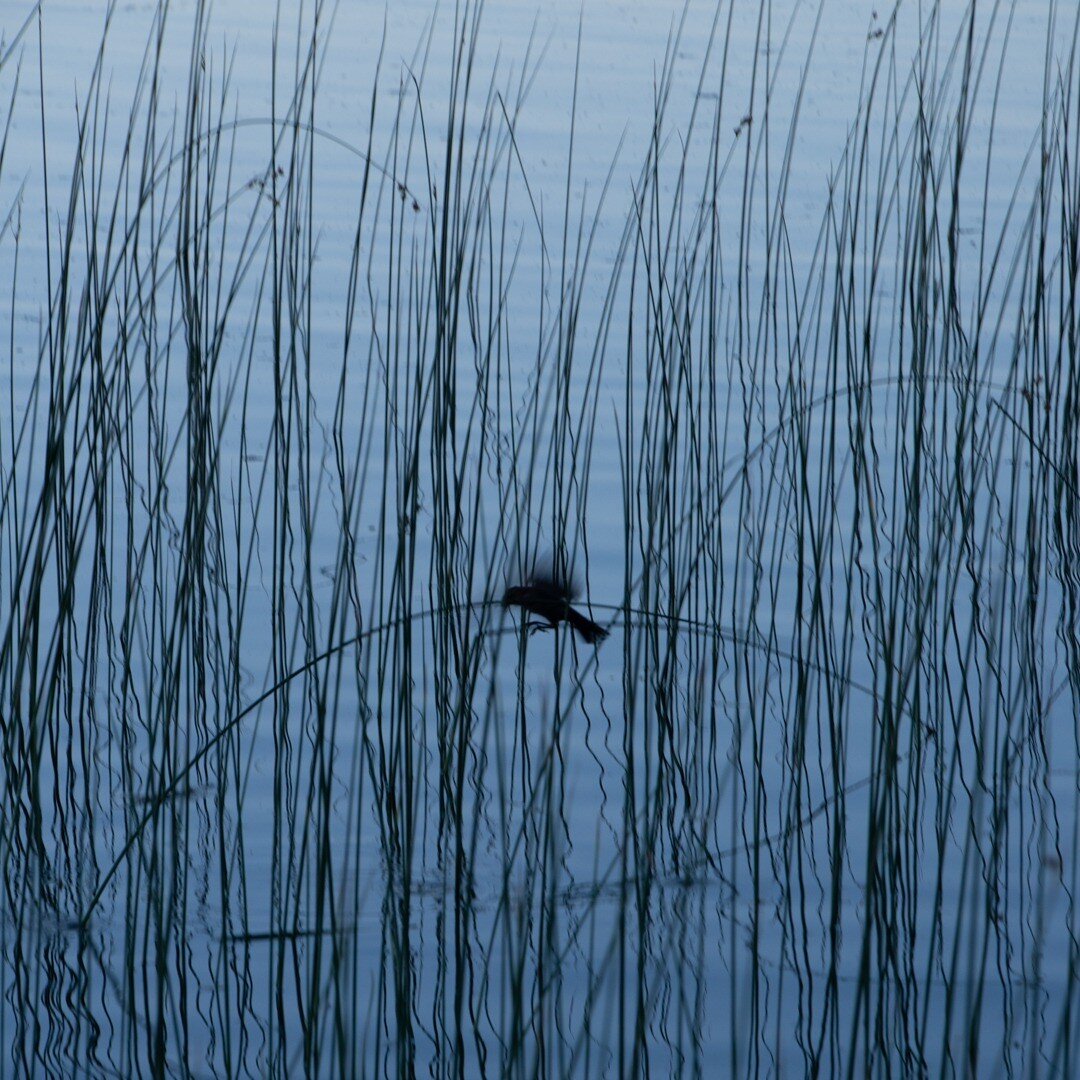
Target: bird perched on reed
point(548, 595)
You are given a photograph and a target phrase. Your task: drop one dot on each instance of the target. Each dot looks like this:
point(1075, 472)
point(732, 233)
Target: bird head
point(516, 594)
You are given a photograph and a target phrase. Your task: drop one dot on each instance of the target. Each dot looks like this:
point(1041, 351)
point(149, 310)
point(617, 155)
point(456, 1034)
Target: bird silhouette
point(548, 596)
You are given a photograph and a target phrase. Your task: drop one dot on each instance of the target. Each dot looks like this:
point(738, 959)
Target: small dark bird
point(548, 597)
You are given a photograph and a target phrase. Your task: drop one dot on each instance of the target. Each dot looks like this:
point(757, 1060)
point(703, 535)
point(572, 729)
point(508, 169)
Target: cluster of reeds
point(284, 787)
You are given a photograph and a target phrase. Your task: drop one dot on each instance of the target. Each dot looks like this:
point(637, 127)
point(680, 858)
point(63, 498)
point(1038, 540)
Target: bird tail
point(590, 631)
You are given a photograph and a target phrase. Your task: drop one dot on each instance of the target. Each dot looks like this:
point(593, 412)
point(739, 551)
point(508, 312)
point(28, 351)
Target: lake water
point(324, 326)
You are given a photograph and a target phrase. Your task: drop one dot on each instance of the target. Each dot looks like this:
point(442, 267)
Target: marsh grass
point(286, 790)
